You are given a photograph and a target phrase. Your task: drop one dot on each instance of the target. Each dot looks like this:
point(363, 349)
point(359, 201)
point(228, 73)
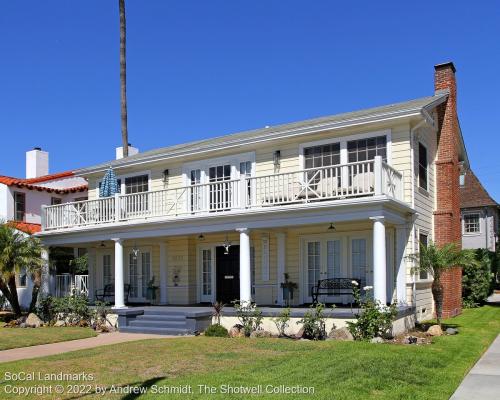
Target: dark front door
point(228, 274)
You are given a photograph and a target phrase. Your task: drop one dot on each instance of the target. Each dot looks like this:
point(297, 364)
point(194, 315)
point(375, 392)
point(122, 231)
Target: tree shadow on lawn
point(143, 389)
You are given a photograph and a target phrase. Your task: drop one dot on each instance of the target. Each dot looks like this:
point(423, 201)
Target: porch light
point(277, 159)
point(227, 245)
point(166, 174)
point(135, 251)
point(102, 244)
point(331, 227)
point(201, 237)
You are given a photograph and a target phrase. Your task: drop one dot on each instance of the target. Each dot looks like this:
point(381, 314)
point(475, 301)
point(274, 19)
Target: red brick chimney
point(447, 228)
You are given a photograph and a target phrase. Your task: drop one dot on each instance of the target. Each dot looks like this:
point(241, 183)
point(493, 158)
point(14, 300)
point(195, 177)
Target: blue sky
point(197, 69)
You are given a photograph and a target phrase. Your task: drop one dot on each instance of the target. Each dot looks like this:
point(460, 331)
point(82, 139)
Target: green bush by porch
point(339, 370)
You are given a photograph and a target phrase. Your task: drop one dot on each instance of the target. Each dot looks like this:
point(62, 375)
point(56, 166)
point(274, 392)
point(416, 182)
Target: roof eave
point(375, 118)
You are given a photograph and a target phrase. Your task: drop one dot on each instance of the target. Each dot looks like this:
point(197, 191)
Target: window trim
point(14, 194)
point(480, 215)
point(426, 188)
point(343, 145)
point(204, 165)
point(122, 182)
point(425, 233)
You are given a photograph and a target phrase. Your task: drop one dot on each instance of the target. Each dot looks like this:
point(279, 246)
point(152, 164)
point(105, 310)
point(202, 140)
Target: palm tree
point(18, 251)
point(435, 260)
point(123, 76)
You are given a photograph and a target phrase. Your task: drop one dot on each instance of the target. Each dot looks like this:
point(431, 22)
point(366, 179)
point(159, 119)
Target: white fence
point(66, 283)
point(366, 178)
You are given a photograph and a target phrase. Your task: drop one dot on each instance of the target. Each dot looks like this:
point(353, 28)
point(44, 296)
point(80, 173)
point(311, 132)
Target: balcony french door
point(220, 193)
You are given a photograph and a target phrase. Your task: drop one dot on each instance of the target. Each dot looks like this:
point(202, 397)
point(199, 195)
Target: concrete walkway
point(483, 380)
point(43, 350)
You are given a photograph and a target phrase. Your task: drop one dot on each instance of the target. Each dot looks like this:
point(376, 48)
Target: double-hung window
point(316, 158)
point(471, 223)
point(423, 241)
point(136, 184)
point(19, 206)
point(422, 166)
point(367, 149)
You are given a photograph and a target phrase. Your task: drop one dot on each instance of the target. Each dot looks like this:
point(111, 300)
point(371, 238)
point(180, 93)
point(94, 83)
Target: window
point(23, 277)
point(471, 223)
point(252, 270)
point(423, 241)
point(55, 201)
point(19, 206)
point(322, 156)
point(136, 184)
point(106, 269)
point(367, 149)
point(118, 189)
point(81, 199)
point(422, 166)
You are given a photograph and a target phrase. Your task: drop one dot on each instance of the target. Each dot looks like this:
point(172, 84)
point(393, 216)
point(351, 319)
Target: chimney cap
point(446, 65)
point(37, 148)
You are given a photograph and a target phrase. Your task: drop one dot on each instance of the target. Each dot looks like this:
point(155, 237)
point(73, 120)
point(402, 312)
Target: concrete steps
point(160, 321)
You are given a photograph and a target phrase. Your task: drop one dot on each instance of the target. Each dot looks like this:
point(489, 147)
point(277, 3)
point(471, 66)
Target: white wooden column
point(379, 260)
point(163, 273)
point(245, 274)
point(119, 282)
point(401, 234)
point(280, 264)
point(92, 268)
point(45, 283)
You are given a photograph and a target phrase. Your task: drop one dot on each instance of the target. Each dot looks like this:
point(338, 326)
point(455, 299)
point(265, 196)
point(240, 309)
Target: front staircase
point(163, 321)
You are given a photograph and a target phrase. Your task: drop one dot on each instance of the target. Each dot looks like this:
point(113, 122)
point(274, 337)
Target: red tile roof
point(26, 227)
point(473, 194)
point(29, 183)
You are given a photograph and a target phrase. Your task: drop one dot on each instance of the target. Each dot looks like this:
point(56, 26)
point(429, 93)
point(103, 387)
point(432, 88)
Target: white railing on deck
point(66, 283)
point(359, 179)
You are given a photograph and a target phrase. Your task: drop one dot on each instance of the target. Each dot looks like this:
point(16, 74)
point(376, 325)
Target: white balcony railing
point(366, 178)
point(67, 284)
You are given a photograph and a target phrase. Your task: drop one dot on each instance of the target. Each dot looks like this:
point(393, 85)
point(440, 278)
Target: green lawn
point(336, 370)
point(11, 338)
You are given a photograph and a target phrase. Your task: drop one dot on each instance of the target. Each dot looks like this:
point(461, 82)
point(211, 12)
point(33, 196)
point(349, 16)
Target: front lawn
point(11, 338)
point(336, 370)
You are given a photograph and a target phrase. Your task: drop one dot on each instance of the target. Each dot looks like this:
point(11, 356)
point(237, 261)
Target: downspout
point(413, 248)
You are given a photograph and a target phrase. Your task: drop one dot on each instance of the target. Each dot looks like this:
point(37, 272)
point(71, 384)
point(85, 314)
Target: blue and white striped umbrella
point(109, 184)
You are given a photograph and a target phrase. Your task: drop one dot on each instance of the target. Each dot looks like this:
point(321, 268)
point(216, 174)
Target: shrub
point(313, 323)
point(71, 309)
point(249, 315)
point(45, 309)
point(374, 318)
point(100, 315)
point(478, 278)
point(218, 307)
point(216, 330)
point(281, 321)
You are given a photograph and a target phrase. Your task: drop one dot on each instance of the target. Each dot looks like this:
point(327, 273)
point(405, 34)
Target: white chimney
point(131, 151)
point(37, 163)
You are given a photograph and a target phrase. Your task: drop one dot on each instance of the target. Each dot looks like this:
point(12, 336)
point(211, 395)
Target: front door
point(139, 267)
point(228, 274)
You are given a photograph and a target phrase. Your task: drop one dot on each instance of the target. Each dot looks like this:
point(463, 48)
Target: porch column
point(280, 261)
point(245, 274)
point(163, 273)
point(401, 264)
point(45, 284)
point(92, 258)
point(119, 295)
point(379, 260)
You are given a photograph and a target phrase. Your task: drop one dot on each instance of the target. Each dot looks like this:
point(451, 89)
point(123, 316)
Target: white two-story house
point(341, 196)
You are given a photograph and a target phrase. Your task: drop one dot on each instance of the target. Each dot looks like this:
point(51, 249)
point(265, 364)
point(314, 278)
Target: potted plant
point(151, 294)
point(288, 288)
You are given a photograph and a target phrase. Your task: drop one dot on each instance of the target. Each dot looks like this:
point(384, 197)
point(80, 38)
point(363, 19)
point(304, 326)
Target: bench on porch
point(333, 287)
point(108, 293)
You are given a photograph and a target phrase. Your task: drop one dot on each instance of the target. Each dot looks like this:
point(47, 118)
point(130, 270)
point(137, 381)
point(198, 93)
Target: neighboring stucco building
point(480, 214)
point(21, 201)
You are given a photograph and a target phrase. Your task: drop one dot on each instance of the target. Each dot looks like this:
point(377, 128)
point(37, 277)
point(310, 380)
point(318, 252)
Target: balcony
point(353, 180)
